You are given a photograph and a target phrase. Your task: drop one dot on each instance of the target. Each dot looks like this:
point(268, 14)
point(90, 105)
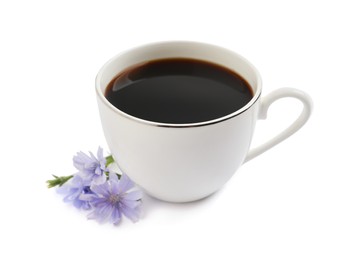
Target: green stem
point(58, 181)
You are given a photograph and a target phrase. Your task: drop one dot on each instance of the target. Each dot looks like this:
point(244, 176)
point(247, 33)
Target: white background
point(297, 201)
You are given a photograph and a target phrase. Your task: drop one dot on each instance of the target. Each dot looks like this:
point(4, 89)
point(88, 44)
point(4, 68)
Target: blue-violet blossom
point(73, 190)
point(91, 168)
point(113, 198)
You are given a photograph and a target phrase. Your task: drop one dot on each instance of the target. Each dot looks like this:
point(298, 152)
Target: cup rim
point(256, 94)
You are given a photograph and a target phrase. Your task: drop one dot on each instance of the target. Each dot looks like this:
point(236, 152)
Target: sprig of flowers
point(97, 188)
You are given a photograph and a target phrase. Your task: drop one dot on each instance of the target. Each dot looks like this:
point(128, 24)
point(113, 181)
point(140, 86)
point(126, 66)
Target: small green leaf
point(109, 160)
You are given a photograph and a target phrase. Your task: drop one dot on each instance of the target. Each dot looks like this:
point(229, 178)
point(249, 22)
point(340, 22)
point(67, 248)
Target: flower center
point(114, 198)
point(86, 190)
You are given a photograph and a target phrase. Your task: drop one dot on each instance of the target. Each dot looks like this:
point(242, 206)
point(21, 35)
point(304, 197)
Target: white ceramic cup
point(187, 162)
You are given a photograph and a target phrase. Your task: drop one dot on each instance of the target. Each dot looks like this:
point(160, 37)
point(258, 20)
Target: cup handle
point(294, 127)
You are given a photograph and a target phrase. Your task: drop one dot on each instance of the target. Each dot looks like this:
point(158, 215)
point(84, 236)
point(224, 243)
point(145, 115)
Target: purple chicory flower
point(90, 167)
point(72, 191)
point(114, 198)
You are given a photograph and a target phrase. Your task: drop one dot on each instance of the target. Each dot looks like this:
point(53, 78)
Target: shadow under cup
point(178, 162)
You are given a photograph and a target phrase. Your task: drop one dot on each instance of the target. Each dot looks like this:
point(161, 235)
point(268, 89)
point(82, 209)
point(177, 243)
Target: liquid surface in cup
point(178, 91)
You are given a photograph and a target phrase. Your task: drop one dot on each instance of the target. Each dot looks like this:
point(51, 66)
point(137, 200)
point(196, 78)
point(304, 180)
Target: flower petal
point(116, 216)
point(99, 202)
point(100, 153)
point(99, 179)
point(132, 214)
point(93, 215)
point(130, 203)
point(92, 156)
point(76, 181)
point(125, 183)
point(72, 195)
point(78, 203)
point(87, 197)
point(114, 183)
point(64, 189)
point(86, 205)
point(104, 212)
point(113, 177)
point(133, 195)
point(80, 160)
point(101, 190)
